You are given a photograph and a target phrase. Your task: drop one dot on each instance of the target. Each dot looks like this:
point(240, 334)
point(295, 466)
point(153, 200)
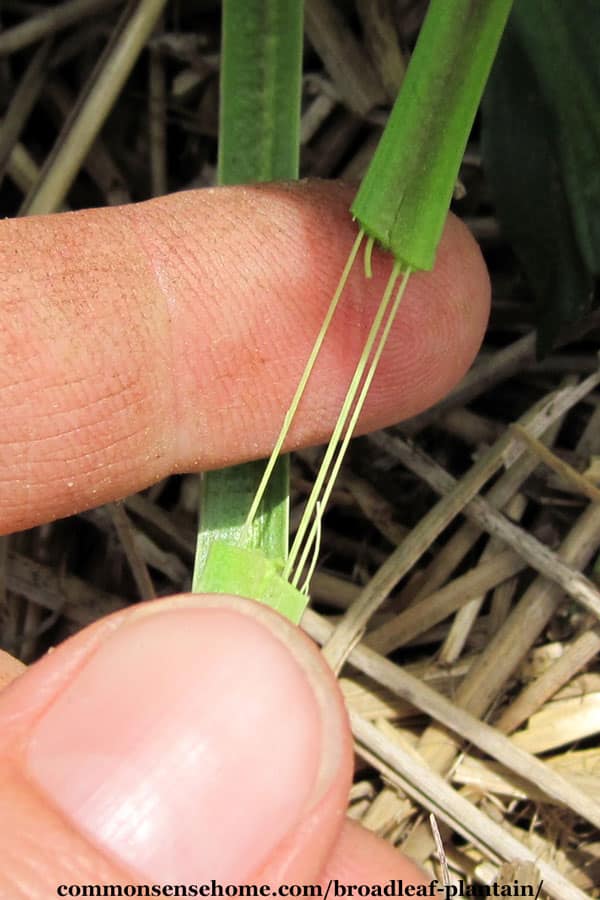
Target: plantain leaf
point(403, 199)
point(261, 81)
point(227, 568)
point(544, 171)
point(562, 40)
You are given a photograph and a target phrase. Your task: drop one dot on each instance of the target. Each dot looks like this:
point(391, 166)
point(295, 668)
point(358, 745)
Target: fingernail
point(187, 747)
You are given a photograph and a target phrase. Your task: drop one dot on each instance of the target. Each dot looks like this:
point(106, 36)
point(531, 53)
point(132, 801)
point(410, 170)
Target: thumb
point(185, 740)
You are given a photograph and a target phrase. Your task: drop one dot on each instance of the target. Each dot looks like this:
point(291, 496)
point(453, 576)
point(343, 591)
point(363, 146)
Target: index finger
point(170, 335)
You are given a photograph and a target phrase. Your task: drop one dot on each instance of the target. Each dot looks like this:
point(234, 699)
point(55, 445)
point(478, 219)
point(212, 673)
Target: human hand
point(192, 738)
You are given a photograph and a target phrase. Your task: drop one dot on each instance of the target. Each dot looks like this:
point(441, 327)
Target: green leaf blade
point(565, 57)
point(262, 42)
point(525, 168)
point(259, 132)
point(404, 198)
point(228, 567)
point(226, 496)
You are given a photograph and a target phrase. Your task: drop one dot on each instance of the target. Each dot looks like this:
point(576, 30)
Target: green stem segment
point(258, 141)
point(402, 203)
point(404, 198)
point(261, 77)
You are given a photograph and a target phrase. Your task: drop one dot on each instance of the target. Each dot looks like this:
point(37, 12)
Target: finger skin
point(169, 336)
point(40, 848)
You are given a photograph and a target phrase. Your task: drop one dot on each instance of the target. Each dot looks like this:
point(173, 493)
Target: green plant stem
point(258, 141)
point(404, 198)
point(261, 77)
point(402, 203)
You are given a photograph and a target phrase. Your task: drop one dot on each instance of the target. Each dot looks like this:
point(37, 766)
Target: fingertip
point(171, 335)
point(195, 715)
point(463, 298)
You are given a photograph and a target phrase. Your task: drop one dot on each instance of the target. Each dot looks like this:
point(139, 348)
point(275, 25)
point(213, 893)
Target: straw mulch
point(458, 591)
